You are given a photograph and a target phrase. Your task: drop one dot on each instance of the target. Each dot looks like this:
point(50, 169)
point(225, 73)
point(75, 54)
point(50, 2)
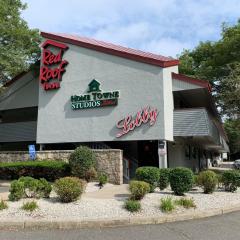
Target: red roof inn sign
point(52, 65)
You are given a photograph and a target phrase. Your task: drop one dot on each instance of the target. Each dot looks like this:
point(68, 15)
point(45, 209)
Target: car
point(237, 164)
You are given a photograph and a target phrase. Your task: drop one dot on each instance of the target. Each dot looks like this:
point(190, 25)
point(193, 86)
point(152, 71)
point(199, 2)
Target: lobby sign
point(129, 123)
point(95, 98)
point(52, 65)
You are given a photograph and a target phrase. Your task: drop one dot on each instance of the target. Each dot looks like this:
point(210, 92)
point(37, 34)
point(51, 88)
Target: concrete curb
point(100, 223)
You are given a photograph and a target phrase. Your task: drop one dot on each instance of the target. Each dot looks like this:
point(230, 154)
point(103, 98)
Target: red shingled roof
point(113, 49)
point(196, 81)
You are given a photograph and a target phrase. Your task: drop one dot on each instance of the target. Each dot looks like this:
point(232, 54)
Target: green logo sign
point(94, 98)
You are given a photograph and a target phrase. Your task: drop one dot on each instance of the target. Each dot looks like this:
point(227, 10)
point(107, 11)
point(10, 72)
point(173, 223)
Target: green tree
point(232, 127)
point(219, 63)
point(229, 93)
point(19, 45)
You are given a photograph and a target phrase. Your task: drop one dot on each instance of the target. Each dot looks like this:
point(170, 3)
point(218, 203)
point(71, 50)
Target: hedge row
point(49, 170)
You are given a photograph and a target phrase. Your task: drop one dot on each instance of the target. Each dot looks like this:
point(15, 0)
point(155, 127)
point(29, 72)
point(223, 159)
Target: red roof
point(113, 49)
point(199, 82)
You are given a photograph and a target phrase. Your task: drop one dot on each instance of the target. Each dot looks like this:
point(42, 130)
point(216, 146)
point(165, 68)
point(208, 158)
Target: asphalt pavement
point(224, 227)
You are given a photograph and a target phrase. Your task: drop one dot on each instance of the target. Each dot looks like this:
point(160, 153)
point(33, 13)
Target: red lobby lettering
point(143, 116)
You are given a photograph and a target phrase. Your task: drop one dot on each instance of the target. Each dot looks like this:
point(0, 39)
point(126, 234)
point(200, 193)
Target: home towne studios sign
point(94, 98)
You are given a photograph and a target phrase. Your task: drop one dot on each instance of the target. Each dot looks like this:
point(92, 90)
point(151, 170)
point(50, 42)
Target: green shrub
point(195, 180)
point(91, 174)
point(16, 191)
point(231, 180)
point(44, 188)
point(30, 186)
point(35, 188)
point(30, 206)
point(164, 178)
point(103, 179)
point(167, 204)
point(132, 205)
point(138, 189)
point(81, 161)
point(50, 170)
point(149, 175)
point(68, 189)
point(3, 205)
point(220, 180)
point(208, 181)
point(181, 180)
point(185, 202)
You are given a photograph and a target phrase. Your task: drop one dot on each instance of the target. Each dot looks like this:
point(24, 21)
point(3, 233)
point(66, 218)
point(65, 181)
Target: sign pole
point(162, 153)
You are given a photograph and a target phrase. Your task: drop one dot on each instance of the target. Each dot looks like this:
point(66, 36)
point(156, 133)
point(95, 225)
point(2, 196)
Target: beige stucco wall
point(109, 161)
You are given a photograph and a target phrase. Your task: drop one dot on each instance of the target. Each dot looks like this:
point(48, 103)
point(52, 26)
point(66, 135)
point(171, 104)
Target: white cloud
point(163, 26)
point(166, 46)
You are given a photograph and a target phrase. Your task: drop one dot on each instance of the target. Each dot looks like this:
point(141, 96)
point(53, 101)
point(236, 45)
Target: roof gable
point(113, 49)
point(198, 82)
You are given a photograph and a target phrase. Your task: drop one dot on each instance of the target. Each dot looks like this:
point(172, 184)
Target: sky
point(165, 27)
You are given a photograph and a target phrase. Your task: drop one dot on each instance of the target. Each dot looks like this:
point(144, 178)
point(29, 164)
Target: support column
point(41, 146)
point(162, 153)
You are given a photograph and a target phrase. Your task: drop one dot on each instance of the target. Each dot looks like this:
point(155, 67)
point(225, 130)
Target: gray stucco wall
point(179, 85)
point(177, 158)
point(21, 94)
point(140, 85)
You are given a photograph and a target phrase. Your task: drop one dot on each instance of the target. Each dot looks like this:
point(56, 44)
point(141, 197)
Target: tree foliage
point(219, 63)
point(19, 45)
point(232, 127)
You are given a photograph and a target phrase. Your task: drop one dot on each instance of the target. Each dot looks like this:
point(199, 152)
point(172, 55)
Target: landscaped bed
point(93, 205)
point(153, 193)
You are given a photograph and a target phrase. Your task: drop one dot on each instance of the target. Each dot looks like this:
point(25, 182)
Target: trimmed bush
point(44, 188)
point(167, 204)
point(164, 178)
point(138, 189)
point(91, 174)
point(195, 180)
point(16, 191)
point(149, 175)
point(185, 202)
point(103, 179)
point(81, 161)
point(34, 188)
point(3, 205)
point(231, 180)
point(132, 205)
point(30, 186)
point(49, 170)
point(208, 181)
point(30, 206)
point(68, 189)
point(181, 180)
point(220, 180)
